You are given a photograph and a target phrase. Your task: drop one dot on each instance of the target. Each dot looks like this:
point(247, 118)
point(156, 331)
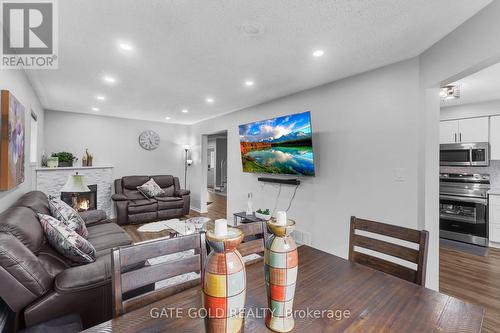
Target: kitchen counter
point(494, 191)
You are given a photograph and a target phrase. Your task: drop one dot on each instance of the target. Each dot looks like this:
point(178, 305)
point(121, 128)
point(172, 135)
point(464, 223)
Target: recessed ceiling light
point(109, 79)
point(167, 118)
point(125, 46)
point(185, 111)
point(100, 97)
point(209, 100)
point(95, 109)
point(249, 83)
point(318, 53)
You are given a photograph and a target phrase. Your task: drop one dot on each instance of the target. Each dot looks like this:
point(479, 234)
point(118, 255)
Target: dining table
point(332, 295)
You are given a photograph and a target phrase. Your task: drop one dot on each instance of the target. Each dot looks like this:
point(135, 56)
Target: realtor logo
point(29, 38)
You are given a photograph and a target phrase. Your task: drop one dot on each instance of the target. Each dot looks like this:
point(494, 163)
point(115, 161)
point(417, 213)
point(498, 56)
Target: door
point(473, 130)
point(211, 168)
point(448, 131)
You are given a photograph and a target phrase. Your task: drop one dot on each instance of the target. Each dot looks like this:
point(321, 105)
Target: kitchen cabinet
point(495, 138)
point(494, 218)
point(464, 130)
point(448, 131)
point(473, 130)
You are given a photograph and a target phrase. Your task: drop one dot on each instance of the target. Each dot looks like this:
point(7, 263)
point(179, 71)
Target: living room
point(160, 79)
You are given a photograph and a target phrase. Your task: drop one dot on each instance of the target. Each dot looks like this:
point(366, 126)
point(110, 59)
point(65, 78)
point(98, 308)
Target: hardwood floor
point(474, 279)
point(216, 210)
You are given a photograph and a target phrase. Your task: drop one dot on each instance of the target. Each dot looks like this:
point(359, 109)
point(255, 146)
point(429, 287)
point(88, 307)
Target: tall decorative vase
point(224, 283)
point(280, 269)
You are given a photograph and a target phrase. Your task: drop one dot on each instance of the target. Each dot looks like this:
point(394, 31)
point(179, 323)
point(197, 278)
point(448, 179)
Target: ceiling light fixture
point(184, 111)
point(109, 79)
point(249, 83)
point(95, 109)
point(167, 118)
point(449, 92)
point(100, 98)
point(252, 29)
point(209, 100)
point(318, 53)
point(126, 46)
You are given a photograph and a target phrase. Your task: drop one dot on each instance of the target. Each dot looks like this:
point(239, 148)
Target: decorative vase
point(280, 270)
point(249, 210)
point(224, 283)
point(52, 161)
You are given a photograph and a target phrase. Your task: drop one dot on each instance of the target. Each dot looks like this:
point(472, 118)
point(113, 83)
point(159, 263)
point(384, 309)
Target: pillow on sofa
point(66, 214)
point(150, 189)
point(66, 241)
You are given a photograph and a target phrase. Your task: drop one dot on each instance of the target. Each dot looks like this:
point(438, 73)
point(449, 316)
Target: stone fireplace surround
point(51, 180)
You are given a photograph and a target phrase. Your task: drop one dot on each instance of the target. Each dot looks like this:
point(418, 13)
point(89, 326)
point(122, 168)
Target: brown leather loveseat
point(133, 207)
point(40, 284)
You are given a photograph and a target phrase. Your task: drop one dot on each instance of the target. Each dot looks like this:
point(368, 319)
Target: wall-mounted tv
point(280, 145)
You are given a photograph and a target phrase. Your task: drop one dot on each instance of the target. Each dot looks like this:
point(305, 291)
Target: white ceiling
point(186, 50)
point(479, 87)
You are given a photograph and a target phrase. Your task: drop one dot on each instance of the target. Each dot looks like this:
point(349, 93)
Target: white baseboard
point(495, 245)
point(196, 209)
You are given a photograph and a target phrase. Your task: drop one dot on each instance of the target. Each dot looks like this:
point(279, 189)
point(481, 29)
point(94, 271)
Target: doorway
point(469, 124)
point(216, 156)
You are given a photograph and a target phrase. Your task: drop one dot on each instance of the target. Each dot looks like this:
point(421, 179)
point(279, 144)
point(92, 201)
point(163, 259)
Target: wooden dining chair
point(254, 241)
point(128, 279)
point(363, 240)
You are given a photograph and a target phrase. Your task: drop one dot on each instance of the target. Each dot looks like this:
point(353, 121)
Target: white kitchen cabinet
point(495, 138)
point(473, 130)
point(464, 130)
point(448, 131)
point(494, 218)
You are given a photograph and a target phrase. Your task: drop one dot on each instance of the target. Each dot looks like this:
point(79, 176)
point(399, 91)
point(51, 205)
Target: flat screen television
point(281, 145)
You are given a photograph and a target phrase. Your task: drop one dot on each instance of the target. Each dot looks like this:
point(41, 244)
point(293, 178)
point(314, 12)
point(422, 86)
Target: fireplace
point(81, 201)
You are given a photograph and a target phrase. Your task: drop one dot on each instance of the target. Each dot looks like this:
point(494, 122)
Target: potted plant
point(65, 159)
point(263, 214)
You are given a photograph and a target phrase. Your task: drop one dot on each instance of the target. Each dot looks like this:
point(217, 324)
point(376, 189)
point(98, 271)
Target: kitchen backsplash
point(493, 170)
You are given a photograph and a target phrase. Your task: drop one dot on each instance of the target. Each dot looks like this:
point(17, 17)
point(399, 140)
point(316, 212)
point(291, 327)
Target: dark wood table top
point(349, 298)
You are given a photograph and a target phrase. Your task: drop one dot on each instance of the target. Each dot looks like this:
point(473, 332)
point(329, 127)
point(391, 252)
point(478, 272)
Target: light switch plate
point(399, 174)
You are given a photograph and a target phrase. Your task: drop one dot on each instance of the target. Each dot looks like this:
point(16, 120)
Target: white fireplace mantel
point(51, 180)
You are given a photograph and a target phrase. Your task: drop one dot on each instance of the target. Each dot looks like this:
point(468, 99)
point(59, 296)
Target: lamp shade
point(75, 184)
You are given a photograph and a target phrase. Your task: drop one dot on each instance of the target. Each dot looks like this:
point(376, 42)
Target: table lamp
point(74, 185)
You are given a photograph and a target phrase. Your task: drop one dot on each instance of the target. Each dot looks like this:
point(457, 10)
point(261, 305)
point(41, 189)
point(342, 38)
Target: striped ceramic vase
point(281, 264)
point(224, 283)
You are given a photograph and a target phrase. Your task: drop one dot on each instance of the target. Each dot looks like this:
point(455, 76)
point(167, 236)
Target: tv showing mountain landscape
point(281, 145)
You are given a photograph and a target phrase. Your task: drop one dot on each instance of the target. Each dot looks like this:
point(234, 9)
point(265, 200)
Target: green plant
point(64, 156)
point(264, 211)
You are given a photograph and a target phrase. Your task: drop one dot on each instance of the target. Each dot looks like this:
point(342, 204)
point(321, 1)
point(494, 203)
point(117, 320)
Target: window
point(33, 137)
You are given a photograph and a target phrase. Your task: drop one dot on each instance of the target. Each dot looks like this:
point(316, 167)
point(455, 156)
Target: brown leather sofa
point(38, 283)
point(133, 207)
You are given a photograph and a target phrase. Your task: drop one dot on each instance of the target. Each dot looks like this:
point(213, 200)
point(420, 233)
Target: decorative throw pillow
point(150, 189)
point(65, 213)
point(66, 241)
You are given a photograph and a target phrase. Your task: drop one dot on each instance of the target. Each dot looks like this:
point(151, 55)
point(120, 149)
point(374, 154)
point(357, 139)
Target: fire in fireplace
point(83, 200)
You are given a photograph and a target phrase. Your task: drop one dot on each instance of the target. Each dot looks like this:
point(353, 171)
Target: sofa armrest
point(119, 197)
point(84, 277)
point(180, 193)
point(91, 217)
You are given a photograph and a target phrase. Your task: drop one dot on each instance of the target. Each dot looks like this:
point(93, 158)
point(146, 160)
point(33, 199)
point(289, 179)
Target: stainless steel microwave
point(465, 154)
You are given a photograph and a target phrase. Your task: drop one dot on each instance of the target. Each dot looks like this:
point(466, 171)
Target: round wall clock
point(149, 140)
